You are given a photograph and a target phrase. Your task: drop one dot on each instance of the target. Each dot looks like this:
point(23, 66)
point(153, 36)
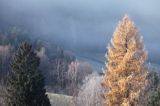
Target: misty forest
point(79, 53)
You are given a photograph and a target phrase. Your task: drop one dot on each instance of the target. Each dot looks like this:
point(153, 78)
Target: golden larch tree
point(125, 79)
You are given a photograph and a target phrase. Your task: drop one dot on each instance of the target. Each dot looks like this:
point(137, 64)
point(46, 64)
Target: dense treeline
point(49, 54)
point(127, 81)
point(56, 64)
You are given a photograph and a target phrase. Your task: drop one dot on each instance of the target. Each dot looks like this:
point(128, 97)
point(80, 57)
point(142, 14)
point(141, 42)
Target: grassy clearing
point(60, 100)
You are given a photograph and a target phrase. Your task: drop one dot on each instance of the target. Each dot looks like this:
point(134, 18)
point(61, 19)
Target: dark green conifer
point(25, 85)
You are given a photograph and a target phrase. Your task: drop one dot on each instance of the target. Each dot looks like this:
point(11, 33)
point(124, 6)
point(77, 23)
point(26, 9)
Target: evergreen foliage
point(25, 84)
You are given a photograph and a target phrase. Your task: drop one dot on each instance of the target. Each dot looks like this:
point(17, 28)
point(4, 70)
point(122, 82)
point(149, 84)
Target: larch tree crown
point(125, 79)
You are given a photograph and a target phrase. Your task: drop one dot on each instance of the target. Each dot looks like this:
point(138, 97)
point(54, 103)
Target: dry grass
point(60, 100)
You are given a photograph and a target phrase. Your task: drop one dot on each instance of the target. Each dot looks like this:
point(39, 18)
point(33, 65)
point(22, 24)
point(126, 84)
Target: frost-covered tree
point(5, 55)
point(90, 92)
point(153, 93)
point(72, 74)
point(76, 74)
point(154, 99)
point(25, 85)
point(60, 61)
point(125, 78)
point(59, 67)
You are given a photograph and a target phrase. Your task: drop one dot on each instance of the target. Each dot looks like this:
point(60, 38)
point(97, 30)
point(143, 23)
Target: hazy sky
point(84, 23)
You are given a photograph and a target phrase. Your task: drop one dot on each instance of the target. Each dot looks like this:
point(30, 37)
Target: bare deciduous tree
point(5, 55)
point(76, 74)
point(90, 92)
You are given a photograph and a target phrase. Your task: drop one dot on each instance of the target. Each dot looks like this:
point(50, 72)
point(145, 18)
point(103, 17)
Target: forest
point(93, 53)
point(33, 69)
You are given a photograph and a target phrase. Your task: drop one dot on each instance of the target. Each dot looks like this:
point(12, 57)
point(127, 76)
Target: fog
point(83, 24)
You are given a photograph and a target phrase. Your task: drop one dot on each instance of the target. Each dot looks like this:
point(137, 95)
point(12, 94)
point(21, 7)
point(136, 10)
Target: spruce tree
point(125, 79)
point(25, 84)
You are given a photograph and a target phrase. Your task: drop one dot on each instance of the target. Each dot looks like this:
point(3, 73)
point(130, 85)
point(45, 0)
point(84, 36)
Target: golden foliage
point(126, 75)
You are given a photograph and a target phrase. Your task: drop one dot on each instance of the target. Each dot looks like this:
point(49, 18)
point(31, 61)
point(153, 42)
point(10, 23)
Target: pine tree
point(25, 84)
point(125, 79)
